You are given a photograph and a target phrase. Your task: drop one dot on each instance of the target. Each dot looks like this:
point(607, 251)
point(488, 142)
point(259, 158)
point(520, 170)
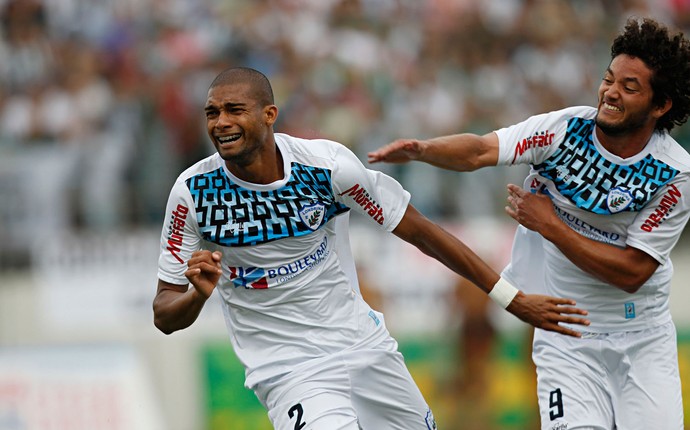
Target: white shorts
point(626, 380)
point(367, 389)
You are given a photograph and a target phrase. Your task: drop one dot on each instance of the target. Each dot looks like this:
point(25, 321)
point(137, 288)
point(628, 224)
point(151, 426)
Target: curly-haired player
point(606, 201)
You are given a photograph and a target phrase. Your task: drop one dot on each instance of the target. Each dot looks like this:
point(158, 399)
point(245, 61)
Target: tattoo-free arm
point(461, 152)
point(625, 268)
point(540, 311)
point(176, 307)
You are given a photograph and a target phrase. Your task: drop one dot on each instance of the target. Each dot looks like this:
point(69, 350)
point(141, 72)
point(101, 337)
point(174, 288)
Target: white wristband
point(503, 293)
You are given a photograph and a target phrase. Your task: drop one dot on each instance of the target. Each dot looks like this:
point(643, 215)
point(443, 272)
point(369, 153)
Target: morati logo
point(176, 231)
point(538, 140)
point(668, 202)
point(312, 215)
point(362, 197)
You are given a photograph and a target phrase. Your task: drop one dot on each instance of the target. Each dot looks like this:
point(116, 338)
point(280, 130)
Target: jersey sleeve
point(179, 236)
point(534, 139)
point(658, 226)
point(371, 193)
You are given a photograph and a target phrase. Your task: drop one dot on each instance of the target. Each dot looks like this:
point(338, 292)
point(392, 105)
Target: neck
point(625, 145)
point(266, 167)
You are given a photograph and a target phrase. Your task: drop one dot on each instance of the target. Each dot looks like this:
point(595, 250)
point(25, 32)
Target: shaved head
point(260, 87)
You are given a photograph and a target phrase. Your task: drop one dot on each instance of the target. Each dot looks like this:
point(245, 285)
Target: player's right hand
point(548, 313)
point(204, 271)
point(399, 151)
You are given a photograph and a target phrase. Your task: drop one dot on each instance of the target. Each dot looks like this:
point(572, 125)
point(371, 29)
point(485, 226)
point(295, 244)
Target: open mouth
point(611, 107)
point(228, 139)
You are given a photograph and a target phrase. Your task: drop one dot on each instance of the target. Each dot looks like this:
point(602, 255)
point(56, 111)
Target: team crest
point(619, 199)
point(312, 215)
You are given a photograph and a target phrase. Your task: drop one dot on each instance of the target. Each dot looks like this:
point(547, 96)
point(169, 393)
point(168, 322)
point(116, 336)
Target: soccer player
point(603, 206)
point(264, 221)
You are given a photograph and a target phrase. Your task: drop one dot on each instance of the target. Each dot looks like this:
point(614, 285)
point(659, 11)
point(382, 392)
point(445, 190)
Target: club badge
point(619, 199)
point(312, 215)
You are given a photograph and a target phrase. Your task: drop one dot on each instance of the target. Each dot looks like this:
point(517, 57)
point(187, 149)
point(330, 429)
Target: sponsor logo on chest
point(261, 278)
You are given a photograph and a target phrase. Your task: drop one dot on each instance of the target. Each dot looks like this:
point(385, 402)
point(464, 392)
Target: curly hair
point(668, 55)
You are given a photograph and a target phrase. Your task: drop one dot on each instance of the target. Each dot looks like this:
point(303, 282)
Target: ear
point(661, 110)
point(270, 114)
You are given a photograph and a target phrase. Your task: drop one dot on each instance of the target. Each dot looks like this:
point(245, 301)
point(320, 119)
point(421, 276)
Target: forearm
point(624, 268)
point(436, 242)
point(460, 152)
point(540, 311)
point(176, 310)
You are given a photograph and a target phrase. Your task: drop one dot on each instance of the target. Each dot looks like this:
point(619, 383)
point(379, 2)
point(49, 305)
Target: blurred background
point(101, 108)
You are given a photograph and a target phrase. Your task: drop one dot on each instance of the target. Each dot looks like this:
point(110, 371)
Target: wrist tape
point(503, 293)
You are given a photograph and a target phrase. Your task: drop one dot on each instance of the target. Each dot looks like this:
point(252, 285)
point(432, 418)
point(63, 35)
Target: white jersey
point(288, 286)
point(641, 201)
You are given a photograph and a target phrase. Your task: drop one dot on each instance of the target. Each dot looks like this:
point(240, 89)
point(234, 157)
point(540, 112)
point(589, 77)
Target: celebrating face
point(237, 123)
point(625, 97)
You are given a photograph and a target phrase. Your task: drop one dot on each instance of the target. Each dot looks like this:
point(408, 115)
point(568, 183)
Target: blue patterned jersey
point(641, 201)
point(288, 288)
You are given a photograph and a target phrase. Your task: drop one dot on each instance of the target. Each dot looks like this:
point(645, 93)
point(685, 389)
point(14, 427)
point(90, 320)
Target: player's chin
point(227, 150)
point(608, 125)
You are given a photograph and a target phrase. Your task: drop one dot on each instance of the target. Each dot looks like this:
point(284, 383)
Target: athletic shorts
point(624, 381)
point(369, 389)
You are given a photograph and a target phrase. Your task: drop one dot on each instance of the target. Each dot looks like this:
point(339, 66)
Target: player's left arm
point(382, 200)
point(540, 311)
point(625, 268)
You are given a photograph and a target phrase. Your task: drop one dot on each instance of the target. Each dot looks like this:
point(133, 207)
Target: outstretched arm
point(540, 311)
point(625, 268)
point(176, 307)
point(461, 152)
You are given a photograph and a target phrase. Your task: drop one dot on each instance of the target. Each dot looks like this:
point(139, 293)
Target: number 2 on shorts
point(299, 411)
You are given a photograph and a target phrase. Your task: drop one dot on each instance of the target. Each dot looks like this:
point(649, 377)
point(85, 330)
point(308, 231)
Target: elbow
point(635, 274)
point(160, 321)
point(164, 330)
point(632, 284)
point(630, 289)
point(162, 327)
point(161, 324)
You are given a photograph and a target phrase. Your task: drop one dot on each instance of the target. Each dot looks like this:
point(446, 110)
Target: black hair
point(260, 85)
point(668, 55)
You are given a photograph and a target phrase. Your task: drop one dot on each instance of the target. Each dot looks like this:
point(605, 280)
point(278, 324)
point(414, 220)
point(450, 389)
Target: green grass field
point(506, 402)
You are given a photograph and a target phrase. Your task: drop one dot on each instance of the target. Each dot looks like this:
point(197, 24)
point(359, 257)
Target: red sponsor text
point(668, 202)
point(177, 223)
point(537, 141)
point(361, 196)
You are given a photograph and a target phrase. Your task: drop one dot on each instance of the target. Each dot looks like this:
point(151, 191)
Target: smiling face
point(239, 126)
point(625, 98)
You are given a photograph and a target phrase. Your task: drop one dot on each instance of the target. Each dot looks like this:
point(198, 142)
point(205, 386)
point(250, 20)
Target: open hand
point(399, 151)
point(548, 312)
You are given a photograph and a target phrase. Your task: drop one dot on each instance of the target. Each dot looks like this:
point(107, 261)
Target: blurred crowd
point(101, 100)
